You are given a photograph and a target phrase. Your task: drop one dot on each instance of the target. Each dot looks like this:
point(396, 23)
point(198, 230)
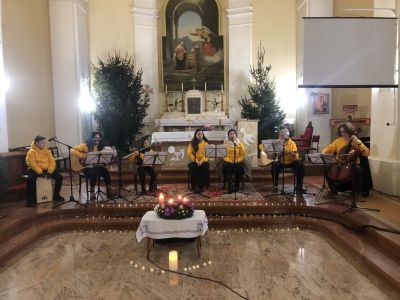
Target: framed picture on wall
point(320, 103)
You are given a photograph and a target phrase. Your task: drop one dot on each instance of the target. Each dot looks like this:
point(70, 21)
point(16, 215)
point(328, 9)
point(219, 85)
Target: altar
point(176, 144)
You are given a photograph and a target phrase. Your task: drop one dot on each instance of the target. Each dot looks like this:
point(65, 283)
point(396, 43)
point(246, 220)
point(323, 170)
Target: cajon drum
point(44, 190)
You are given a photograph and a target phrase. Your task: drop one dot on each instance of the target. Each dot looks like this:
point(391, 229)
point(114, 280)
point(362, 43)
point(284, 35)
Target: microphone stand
point(71, 197)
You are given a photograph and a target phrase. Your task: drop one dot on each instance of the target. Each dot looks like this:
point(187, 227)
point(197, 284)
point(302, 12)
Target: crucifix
point(194, 83)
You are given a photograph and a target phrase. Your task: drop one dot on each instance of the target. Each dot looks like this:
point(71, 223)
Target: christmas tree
point(121, 100)
point(262, 104)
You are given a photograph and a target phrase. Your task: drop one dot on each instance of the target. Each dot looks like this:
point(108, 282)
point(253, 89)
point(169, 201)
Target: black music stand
point(97, 159)
point(326, 160)
point(276, 148)
point(120, 188)
point(71, 196)
point(152, 159)
point(214, 152)
point(353, 204)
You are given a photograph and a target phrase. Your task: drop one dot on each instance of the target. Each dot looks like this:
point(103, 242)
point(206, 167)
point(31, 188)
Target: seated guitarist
point(347, 139)
point(288, 159)
point(80, 151)
point(138, 156)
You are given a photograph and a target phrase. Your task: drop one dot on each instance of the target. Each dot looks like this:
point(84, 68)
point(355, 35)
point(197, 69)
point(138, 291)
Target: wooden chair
point(315, 139)
point(304, 142)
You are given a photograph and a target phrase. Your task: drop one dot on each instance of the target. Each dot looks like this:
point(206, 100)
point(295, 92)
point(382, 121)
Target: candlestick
point(161, 199)
point(182, 86)
point(166, 89)
point(173, 260)
point(205, 86)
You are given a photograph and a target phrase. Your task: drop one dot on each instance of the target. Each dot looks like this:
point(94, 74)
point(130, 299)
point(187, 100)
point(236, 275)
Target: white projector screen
point(349, 52)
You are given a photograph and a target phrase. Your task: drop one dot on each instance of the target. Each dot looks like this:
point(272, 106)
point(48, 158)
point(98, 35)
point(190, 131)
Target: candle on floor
point(173, 260)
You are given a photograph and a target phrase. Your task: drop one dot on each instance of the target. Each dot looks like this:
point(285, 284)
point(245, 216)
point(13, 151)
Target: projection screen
point(349, 52)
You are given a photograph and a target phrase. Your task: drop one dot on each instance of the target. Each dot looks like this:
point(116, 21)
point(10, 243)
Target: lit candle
point(179, 198)
point(205, 86)
point(182, 86)
point(161, 199)
point(166, 89)
point(173, 260)
point(171, 201)
point(185, 200)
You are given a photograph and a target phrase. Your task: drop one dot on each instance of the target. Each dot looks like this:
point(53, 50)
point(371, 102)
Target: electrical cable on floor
point(198, 277)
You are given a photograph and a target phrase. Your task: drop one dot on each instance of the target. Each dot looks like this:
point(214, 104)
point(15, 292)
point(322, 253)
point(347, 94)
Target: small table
point(153, 228)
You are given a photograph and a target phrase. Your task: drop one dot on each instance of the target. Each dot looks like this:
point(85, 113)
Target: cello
point(343, 171)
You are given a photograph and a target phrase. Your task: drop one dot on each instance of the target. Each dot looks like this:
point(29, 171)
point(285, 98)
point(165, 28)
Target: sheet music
point(278, 145)
point(154, 158)
point(328, 158)
point(99, 157)
point(210, 151)
point(315, 158)
point(268, 145)
point(221, 151)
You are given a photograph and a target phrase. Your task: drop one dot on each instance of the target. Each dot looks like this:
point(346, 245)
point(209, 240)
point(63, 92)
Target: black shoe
point(143, 193)
point(58, 198)
point(30, 204)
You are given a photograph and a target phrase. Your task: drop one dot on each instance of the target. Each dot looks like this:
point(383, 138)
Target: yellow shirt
point(40, 159)
point(200, 153)
point(234, 154)
point(291, 154)
point(81, 150)
point(340, 143)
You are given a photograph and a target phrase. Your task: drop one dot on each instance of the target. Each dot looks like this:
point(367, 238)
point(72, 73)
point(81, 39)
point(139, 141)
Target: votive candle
point(161, 199)
point(173, 260)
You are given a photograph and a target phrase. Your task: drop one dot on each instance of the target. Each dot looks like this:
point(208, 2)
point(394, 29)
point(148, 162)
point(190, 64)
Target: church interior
point(170, 187)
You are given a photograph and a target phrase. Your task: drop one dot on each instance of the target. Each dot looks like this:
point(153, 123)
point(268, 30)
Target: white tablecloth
point(186, 136)
point(154, 227)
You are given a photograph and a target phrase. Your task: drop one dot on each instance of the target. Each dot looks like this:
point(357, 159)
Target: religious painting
point(320, 103)
point(192, 46)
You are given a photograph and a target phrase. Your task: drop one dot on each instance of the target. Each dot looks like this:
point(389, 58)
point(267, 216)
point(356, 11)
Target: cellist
point(346, 142)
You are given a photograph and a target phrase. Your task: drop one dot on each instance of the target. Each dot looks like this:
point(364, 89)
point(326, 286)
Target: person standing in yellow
point(198, 165)
point(41, 163)
point(233, 161)
point(289, 158)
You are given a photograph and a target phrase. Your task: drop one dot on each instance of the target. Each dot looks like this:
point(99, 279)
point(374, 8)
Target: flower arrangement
point(179, 209)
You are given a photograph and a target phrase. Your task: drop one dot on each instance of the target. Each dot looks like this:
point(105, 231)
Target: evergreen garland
point(121, 101)
point(263, 103)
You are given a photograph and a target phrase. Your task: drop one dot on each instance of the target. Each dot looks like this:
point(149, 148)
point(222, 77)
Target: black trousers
point(92, 173)
point(31, 188)
point(356, 184)
point(233, 170)
point(199, 175)
point(142, 170)
point(296, 166)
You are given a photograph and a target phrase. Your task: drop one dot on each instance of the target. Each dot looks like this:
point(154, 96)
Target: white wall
point(3, 108)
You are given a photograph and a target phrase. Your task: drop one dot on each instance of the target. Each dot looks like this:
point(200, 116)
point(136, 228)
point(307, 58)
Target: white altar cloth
point(194, 122)
point(185, 136)
point(153, 227)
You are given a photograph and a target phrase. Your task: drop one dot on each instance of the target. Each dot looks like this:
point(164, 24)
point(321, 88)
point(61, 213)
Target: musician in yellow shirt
point(343, 147)
point(289, 158)
point(233, 161)
point(198, 165)
point(80, 151)
point(41, 163)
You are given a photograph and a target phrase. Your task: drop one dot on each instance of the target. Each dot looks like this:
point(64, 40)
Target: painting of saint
point(192, 46)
